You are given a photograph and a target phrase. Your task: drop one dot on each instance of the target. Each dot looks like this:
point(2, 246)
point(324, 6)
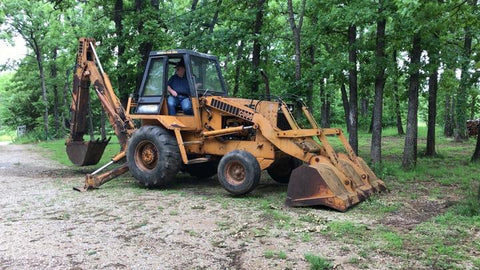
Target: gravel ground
point(44, 224)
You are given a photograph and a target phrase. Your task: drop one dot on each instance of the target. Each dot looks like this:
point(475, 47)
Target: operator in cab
point(179, 91)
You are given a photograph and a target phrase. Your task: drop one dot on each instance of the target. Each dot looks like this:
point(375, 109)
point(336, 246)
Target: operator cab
point(202, 72)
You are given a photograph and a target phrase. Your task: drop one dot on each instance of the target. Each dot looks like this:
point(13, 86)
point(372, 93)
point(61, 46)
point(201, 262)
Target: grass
point(272, 254)
point(317, 262)
point(445, 237)
point(7, 135)
point(56, 150)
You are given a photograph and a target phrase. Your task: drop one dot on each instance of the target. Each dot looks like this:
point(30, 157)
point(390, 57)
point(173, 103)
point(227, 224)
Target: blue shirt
point(180, 85)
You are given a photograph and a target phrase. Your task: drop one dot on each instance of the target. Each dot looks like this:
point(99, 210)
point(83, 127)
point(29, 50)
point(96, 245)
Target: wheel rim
point(235, 173)
point(146, 155)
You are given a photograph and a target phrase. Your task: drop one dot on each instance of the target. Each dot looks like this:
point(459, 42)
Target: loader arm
point(336, 180)
point(87, 74)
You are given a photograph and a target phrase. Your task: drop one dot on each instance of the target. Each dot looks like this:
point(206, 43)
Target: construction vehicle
point(232, 137)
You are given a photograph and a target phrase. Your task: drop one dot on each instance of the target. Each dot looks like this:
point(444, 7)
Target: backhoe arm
point(83, 152)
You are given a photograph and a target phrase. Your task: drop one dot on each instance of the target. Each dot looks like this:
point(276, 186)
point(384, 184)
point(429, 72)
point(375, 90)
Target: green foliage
point(271, 254)
point(56, 150)
point(346, 230)
point(394, 241)
point(219, 27)
point(470, 207)
point(317, 262)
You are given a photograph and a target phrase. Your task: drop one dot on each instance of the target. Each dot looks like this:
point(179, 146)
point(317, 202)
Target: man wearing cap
point(179, 91)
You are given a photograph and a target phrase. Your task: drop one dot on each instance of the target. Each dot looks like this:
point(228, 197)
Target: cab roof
point(181, 52)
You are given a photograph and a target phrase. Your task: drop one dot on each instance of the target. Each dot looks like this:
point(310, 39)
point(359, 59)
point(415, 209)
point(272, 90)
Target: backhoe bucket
point(84, 153)
point(322, 184)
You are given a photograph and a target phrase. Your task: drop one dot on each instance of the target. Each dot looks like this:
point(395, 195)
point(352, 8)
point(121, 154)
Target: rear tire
point(239, 172)
point(153, 156)
point(282, 168)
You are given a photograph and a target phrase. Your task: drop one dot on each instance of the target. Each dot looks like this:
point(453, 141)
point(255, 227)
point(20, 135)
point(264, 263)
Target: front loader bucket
point(358, 175)
point(376, 183)
point(321, 184)
point(84, 153)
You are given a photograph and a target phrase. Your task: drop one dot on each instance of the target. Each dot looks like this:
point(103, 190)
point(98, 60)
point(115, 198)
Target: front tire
point(281, 169)
point(153, 156)
point(239, 172)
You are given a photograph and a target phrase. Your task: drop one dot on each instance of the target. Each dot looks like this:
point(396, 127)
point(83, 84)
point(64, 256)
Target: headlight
point(150, 108)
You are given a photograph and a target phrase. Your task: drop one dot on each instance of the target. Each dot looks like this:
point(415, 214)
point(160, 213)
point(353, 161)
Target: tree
point(409, 159)
point(476, 153)
point(380, 59)
point(432, 110)
point(470, 24)
point(352, 84)
point(435, 35)
point(31, 20)
point(256, 43)
point(296, 30)
point(396, 98)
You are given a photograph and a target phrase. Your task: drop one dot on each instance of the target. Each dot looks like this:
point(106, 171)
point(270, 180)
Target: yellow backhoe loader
point(232, 137)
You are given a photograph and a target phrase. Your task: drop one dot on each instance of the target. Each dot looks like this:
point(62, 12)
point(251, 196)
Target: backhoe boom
point(83, 152)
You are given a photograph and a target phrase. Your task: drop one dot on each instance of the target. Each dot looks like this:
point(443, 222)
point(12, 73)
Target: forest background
point(365, 65)
point(401, 76)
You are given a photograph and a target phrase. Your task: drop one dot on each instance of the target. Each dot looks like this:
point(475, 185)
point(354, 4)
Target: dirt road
point(193, 225)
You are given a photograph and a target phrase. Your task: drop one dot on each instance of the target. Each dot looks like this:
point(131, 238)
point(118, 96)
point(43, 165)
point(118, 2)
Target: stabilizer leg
point(93, 181)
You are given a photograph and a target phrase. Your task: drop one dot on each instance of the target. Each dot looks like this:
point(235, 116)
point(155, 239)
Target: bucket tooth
point(358, 175)
point(320, 184)
point(84, 153)
point(377, 184)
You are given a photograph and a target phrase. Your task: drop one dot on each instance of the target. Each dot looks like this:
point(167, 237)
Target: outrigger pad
point(319, 185)
point(84, 153)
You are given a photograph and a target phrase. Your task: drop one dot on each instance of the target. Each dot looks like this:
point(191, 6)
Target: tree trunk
point(296, 29)
point(39, 58)
point(90, 119)
point(409, 159)
point(432, 109)
point(396, 97)
point(311, 79)
point(398, 113)
point(122, 80)
point(194, 5)
point(461, 103)
point(346, 105)
point(102, 125)
point(237, 68)
point(257, 30)
point(449, 116)
point(376, 147)
point(476, 154)
point(65, 105)
point(472, 106)
point(54, 72)
point(370, 128)
point(363, 106)
point(328, 110)
point(146, 46)
point(352, 82)
point(325, 109)
point(215, 17)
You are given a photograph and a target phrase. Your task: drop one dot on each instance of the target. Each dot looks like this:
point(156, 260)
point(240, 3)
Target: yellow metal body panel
point(219, 125)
